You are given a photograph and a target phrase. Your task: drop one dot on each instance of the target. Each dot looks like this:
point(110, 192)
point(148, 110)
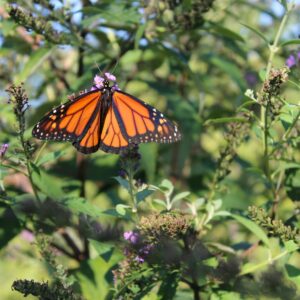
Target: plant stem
point(281, 174)
point(28, 161)
point(131, 187)
point(264, 110)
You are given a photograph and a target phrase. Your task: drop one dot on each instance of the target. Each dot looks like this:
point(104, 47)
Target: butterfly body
point(105, 118)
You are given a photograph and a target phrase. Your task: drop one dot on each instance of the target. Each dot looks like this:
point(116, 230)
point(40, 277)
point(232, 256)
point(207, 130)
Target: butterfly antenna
point(116, 64)
point(101, 72)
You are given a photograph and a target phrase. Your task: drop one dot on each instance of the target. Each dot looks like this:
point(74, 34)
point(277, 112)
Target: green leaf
point(10, 225)
point(123, 182)
point(292, 183)
point(86, 22)
point(114, 213)
point(141, 195)
point(293, 272)
point(291, 246)
point(34, 62)
point(168, 285)
point(114, 13)
point(257, 32)
point(50, 185)
point(253, 227)
point(131, 57)
point(50, 157)
point(95, 277)
point(246, 104)
point(262, 74)
point(224, 120)
point(180, 196)
point(290, 42)
point(226, 32)
point(231, 69)
point(121, 209)
point(160, 202)
point(149, 158)
point(80, 205)
point(167, 186)
point(217, 203)
point(284, 3)
point(286, 120)
point(139, 34)
point(211, 262)
point(105, 250)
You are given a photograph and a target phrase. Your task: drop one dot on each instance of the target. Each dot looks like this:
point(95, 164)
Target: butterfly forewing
point(69, 121)
point(142, 123)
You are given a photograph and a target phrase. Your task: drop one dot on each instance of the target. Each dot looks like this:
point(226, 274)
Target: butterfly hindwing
point(142, 123)
point(112, 137)
point(69, 121)
point(90, 141)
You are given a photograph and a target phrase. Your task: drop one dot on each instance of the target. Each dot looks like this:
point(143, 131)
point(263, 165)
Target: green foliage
point(158, 221)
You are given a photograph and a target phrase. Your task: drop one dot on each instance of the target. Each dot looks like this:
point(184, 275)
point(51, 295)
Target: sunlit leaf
point(231, 69)
point(226, 32)
point(253, 227)
point(48, 184)
point(105, 250)
point(257, 32)
point(167, 185)
point(51, 156)
point(224, 120)
point(34, 62)
point(290, 42)
point(121, 209)
point(149, 158)
point(95, 277)
point(139, 34)
point(291, 246)
point(180, 196)
point(160, 202)
point(81, 206)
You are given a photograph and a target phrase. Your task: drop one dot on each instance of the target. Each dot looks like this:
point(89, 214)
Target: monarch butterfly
point(107, 118)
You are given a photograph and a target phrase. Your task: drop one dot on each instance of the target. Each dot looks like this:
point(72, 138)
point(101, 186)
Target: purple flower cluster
point(99, 81)
point(292, 60)
point(131, 236)
point(3, 150)
point(139, 254)
point(27, 236)
point(142, 253)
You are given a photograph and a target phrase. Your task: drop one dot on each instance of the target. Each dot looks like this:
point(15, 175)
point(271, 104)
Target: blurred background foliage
point(193, 60)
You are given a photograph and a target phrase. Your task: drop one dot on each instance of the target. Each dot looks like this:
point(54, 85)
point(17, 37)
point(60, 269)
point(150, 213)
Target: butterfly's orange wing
point(73, 121)
point(132, 121)
point(90, 141)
